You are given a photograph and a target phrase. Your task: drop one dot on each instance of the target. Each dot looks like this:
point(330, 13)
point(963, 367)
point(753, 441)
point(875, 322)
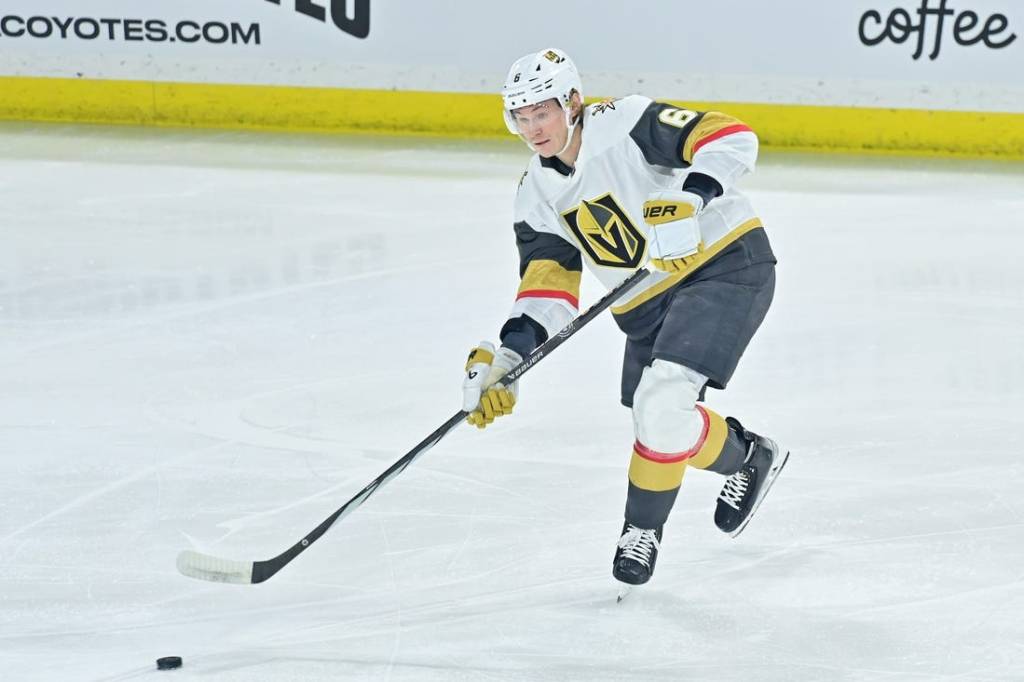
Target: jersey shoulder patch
point(609, 121)
point(629, 107)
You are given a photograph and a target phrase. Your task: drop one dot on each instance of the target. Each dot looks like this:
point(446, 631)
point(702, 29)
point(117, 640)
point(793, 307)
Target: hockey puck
point(168, 663)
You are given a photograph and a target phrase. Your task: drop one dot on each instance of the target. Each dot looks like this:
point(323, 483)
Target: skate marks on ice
point(891, 552)
point(432, 633)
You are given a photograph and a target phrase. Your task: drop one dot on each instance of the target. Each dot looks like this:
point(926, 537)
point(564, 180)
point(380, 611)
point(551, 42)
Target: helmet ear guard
point(540, 76)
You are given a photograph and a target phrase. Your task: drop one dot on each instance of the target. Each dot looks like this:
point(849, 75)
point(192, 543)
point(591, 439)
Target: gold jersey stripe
point(692, 263)
point(549, 275)
point(712, 123)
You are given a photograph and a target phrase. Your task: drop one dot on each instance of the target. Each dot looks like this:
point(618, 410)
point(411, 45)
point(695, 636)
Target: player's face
point(542, 126)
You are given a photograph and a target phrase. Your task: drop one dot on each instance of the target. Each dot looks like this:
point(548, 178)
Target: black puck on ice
point(168, 663)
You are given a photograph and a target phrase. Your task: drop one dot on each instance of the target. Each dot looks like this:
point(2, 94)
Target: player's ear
point(576, 103)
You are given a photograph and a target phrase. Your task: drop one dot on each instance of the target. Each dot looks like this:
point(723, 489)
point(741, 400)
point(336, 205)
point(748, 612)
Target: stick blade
point(214, 569)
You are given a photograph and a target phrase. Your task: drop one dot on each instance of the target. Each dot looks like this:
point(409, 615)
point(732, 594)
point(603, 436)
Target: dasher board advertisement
point(926, 54)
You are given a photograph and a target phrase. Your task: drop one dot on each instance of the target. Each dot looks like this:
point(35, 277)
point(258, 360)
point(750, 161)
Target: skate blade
point(624, 591)
point(764, 493)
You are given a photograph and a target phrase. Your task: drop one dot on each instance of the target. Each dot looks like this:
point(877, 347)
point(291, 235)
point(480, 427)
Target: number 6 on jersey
point(677, 117)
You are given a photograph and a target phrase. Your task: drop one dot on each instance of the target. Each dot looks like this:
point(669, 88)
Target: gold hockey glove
point(675, 232)
point(482, 396)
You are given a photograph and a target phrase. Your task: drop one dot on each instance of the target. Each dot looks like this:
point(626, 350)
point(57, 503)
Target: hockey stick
point(206, 567)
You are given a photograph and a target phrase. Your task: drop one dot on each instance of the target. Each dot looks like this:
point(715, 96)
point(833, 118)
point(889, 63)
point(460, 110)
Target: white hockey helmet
point(537, 77)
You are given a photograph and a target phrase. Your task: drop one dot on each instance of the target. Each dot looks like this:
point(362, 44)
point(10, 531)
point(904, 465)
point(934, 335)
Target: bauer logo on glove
point(482, 396)
point(675, 232)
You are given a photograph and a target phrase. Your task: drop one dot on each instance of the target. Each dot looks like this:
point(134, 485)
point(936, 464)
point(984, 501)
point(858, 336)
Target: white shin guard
point(665, 415)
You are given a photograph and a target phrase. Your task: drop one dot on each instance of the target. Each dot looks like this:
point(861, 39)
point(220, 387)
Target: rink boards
point(933, 77)
point(839, 129)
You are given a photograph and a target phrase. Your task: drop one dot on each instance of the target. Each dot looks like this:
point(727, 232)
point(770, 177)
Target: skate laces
point(735, 488)
point(638, 543)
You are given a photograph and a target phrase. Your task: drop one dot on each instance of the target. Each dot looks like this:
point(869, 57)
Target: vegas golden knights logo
point(606, 233)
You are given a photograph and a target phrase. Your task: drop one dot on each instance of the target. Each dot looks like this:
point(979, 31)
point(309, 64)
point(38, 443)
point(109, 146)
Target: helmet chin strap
point(568, 137)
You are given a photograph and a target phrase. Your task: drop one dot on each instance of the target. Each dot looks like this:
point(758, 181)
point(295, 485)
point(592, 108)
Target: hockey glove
point(482, 396)
point(675, 232)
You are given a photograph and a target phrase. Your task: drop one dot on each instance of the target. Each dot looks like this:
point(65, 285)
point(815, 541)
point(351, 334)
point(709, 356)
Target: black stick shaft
point(262, 570)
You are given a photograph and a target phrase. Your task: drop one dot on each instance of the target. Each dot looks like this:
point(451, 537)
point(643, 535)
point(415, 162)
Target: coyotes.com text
point(129, 30)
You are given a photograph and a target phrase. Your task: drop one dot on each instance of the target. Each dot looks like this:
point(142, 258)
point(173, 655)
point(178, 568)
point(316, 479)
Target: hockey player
point(619, 185)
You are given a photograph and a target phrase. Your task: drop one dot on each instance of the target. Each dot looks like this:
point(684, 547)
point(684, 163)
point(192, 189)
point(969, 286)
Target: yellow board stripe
point(713, 443)
point(779, 126)
point(655, 476)
point(549, 275)
point(260, 107)
point(692, 263)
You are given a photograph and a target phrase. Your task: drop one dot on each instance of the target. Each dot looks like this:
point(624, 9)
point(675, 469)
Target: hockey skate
point(744, 491)
point(636, 554)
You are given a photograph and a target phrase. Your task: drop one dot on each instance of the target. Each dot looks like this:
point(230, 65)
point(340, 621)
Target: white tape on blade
point(214, 569)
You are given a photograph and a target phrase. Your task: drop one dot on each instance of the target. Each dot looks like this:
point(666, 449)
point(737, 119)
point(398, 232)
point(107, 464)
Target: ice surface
point(213, 340)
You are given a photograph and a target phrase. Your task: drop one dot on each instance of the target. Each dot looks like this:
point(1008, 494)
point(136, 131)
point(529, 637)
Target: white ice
point(213, 340)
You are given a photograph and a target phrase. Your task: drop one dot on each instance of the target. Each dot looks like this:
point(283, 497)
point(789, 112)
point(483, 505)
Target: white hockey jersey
point(593, 212)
